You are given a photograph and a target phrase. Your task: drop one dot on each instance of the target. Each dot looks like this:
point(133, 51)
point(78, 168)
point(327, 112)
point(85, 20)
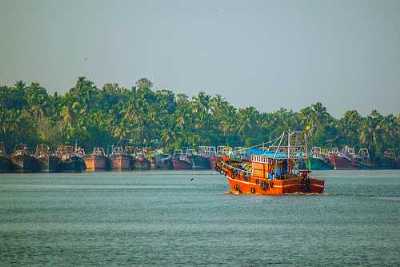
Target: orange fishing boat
point(270, 170)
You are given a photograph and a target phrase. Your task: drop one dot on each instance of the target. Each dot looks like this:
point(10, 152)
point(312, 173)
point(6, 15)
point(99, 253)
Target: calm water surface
point(164, 218)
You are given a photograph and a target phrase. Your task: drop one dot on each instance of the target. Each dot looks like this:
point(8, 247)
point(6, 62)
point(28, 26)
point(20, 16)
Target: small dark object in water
point(191, 179)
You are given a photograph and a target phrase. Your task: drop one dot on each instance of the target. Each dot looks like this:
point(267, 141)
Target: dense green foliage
point(159, 118)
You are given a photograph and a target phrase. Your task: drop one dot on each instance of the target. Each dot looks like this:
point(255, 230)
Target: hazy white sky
point(270, 54)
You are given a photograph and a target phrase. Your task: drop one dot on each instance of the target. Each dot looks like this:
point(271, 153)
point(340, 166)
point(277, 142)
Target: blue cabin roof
point(266, 153)
point(270, 154)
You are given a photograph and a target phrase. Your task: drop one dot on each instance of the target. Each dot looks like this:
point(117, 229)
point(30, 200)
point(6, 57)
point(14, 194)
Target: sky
point(267, 54)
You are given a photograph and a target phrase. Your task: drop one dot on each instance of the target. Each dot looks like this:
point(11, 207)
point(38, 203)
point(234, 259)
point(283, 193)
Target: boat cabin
point(267, 167)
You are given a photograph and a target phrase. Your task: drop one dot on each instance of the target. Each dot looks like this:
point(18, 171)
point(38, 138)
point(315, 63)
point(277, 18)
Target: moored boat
point(163, 161)
point(347, 159)
point(181, 161)
point(389, 161)
point(24, 161)
point(210, 153)
point(141, 162)
point(270, 172)
point(97, 160)
point(48, 161)
point(341, 160)
point(317, 161)
point(71, 159)
point(362, 159)
point(153, 164)
point(5, 162)
point(199, 162)
point(120, 160)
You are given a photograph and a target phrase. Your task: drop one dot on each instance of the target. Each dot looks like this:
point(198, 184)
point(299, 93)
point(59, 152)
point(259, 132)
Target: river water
point(170, 218)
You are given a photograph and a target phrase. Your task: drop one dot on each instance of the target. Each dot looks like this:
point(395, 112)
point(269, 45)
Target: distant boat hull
point(364, 164)
point(50, 163)
point(342, 163)
point(164, 163)
point(212, 162)
point(389, 164)
point(181, 164)
point(95, 162)
point(121, 162)
point(73, 164)
point(200, 163)
point(142, 164)
point(5, 164)
point(153, 164)
point(25, 163)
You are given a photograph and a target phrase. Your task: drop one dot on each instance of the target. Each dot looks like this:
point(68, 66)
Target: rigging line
point(276, 151)
point(261, 144)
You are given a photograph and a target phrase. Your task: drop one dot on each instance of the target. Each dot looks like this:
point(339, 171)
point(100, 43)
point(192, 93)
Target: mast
point(308, 164)
point(288, 160)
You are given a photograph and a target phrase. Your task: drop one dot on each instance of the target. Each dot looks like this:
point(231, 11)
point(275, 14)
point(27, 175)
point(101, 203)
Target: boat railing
point(235, 168)
point(117, 150)
point(42, 150)
point(207, 151)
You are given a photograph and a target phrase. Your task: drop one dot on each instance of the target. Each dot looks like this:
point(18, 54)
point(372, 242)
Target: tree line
point(145, 117)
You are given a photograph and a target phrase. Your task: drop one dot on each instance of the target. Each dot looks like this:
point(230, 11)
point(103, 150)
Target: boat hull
point(181, 164)
point(74, 164)
point(213, 162)
point(94, 162)
point(121, 162)
point(142, 164)
point(164, 163)
point(50, 164)
point(26, 163)
point(255, 186)
point(5, 164)
point(389, 164)
point(342, 163)
point(200, 163)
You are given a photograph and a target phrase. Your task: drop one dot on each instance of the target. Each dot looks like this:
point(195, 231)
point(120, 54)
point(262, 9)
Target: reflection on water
point(165, 218)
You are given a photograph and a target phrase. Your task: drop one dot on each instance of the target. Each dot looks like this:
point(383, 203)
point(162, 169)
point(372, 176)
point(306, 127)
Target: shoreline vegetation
point(143, 117)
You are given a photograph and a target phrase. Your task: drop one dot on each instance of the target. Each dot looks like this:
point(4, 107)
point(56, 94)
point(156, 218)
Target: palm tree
point(371, 133)
point(349, 127)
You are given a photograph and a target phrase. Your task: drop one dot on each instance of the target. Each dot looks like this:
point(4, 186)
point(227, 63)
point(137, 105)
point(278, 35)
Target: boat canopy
point(279, 155)
point(267, 153)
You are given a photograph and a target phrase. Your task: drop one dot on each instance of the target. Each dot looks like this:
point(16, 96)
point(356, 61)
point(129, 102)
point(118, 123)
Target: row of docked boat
point(348, 159)
point(330, 159)
point(73, 158)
